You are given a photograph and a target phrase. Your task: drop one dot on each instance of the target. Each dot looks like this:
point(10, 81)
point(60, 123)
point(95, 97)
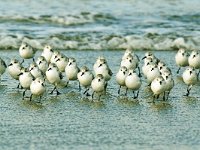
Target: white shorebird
point(190, 78)
point(42, 64)
point(35, 71)
point(55, 56)
point(2, 67)
point(25, 79)
point(152, 73)
point(103, 69)
point(152, 56)
point(98, 85)
point(181, 59)
point(121, 76)
point(99, 60)
point(14, 69)
point(130, 52)
point(169, 83)
point(133, 82)
point(61, 63)
point(158, 87)
point(71, 70)
point(146, 66)
point(194, 60)
point(54, 77)
point(26, 51)
point(130, 62)
point(37, 88)
point(47, 53)
point(85, 78)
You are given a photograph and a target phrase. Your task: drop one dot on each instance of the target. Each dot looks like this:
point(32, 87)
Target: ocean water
point(86, 29)
point(101, 25)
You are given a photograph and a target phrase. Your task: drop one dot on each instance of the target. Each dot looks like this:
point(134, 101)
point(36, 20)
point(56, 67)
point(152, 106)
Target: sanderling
point(152, 56)
point(190, 78)
point(26, 51)
point(147, 64)
point(71, 70)
point(98, 85)
point(37, 87)
point(42, 64)
point(127, 52)
point(35, 71)
point(129, 62)
point(14, 69)
point(85, 78)
point(152, 73)
point(25, 79)
point(55, 56)
point(169, 83)
point(47, 53)
point(2, 67)
point(99, 60)
point(158, 87)
point(54, 76)
point(194, 60)
point(121, 76)
point(61, 63)
point(103, 69)
point(133, 82)
point(181, 59)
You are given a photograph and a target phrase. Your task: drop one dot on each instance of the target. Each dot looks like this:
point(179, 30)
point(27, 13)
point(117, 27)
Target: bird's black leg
point(31, 97)
point(92, 95)
point(79, 86)
point(188, 91)
point(57, 92)
point(119, 90)
point(137, 94)
point(178, 70)
point(24, 94)
point(140, 75)
point(164, 96)
point(53, 90)
point(126, 92)
point(134, 94)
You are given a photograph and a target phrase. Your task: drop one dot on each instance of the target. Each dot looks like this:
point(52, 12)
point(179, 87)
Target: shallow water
point(97, 25)
point(69, 122)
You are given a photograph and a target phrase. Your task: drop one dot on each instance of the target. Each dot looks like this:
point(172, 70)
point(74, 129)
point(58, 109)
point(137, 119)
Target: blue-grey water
point(86, 29)
point(100, 25)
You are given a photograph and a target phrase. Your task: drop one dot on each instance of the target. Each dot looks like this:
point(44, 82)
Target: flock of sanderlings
point(55, 68)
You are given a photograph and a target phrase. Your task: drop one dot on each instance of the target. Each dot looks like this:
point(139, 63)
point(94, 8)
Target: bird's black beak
point(130, 61)
point(49, 69)
point(82, 73)
point(194, 56)
point(144, 57)
point(100, 65)
point(190, 72)
point(40, 62)
point(31, 69)
point(20, 74)
point(10, 64)
point(124, 72)
point(70, 64)
point(99, 80)
point(160, 82)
